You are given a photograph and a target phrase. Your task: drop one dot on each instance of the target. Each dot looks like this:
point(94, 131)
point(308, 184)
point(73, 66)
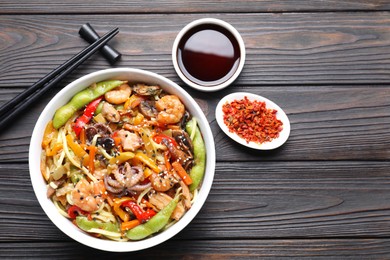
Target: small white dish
point(205, 45)
point(281, 115)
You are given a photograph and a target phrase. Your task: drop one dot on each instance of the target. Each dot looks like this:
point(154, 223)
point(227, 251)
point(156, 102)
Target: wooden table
point(325, 193)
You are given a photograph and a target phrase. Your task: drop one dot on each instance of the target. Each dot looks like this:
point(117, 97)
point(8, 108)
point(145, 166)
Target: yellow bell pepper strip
point(78, 150)
point(123, 215)
point(133, 102)
point(147, 161)
point(156, 223)
point(147, 172)
point(182, 173)
point(138, 119)
point(53, 151)
point(121, 158)
point(82, 98)
point(89, 111)
point(197, 171)
point(48, 134)
point(149, 147)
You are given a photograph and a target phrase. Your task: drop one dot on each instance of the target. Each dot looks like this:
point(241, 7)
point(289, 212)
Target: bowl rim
point(39, 184)
point(213, 21)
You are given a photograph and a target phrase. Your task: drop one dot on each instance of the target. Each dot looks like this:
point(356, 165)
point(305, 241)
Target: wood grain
point(292, 48)
point(188, 6)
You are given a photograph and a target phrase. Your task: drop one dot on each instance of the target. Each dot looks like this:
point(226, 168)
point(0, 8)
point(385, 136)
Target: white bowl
point(218, 23)
point(281, 115)
point(39, 184)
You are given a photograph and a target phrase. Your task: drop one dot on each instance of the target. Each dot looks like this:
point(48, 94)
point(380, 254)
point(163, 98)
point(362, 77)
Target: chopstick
point(16, 105)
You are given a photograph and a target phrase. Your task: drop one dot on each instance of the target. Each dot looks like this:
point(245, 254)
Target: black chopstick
point(30, 95)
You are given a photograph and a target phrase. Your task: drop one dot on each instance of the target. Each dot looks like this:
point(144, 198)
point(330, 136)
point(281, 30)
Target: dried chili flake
point(251, 120)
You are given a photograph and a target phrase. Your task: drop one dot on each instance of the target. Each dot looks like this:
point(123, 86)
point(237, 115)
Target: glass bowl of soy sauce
point(208, 54)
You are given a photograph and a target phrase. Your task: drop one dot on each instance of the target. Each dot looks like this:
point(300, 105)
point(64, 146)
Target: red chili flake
point(251, 120)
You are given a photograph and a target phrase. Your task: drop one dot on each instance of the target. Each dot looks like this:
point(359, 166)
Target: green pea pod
point(81, 99)
point(99, 108)
point(86, 225)
point(155, 224)
point(197, 171)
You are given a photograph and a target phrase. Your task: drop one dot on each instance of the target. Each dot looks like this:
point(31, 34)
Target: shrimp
point(163, 181)
point(118, 95)
point(88, 196)
point(170, 108)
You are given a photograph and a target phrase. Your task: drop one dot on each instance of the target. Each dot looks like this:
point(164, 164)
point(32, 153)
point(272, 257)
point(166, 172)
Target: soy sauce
point(208, 55)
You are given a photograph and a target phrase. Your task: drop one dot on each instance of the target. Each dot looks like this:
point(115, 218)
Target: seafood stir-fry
point(123, 161)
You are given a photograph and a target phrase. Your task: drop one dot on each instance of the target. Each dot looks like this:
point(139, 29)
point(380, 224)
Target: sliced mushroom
point(103, 129)
point(148, 108)
point(95, 129)
point(145, 90)
point(184, 140)
point(106, 142)
point(186, 117)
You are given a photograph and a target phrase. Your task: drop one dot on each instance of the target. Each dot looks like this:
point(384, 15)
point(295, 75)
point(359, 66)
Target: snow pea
point(156, 223)
point(81, 99)
point(197, 171)
point(86, 225)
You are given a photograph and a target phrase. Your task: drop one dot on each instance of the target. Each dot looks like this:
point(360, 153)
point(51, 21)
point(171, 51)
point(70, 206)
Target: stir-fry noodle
point(119, 158)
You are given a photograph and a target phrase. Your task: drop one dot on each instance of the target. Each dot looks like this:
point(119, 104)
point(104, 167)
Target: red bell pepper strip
point(159, 137)
point(86, 116)
point(75, 211)
point(148, 214)
point(138, 212)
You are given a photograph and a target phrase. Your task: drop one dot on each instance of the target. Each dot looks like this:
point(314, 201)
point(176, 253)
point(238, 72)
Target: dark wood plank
point(212, 249)
point(293, 48)
point(247, 201)
point(328, 123)
point(189, 6)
